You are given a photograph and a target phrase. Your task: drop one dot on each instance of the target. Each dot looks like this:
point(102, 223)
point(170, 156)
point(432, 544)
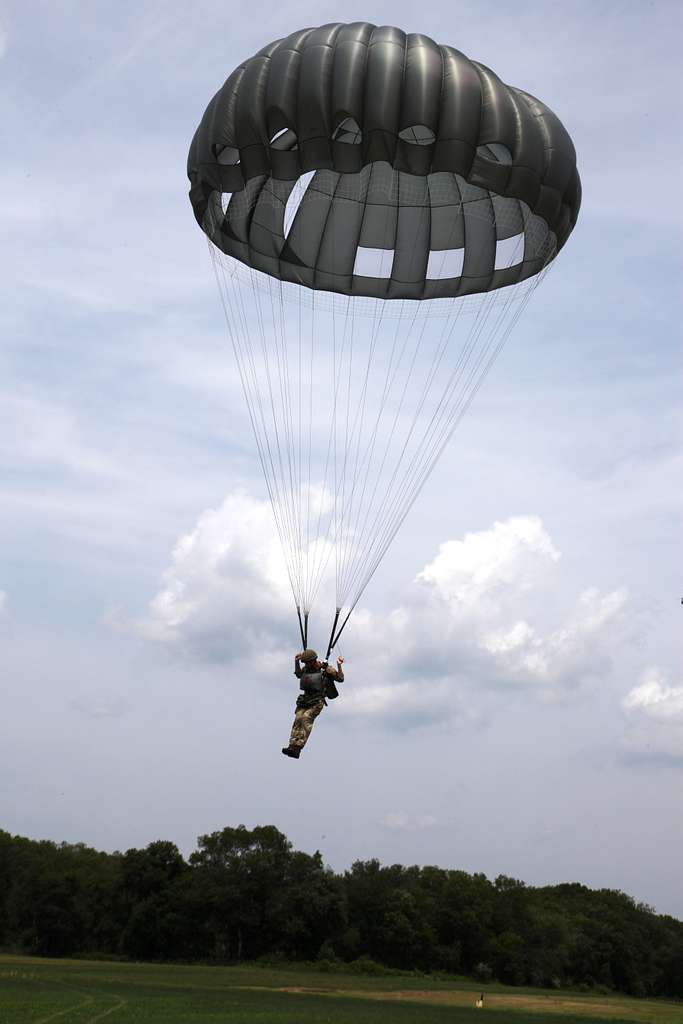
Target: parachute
point(379, 210)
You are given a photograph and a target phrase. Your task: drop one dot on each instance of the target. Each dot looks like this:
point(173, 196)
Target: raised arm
point(338, 672)
point(298, 669)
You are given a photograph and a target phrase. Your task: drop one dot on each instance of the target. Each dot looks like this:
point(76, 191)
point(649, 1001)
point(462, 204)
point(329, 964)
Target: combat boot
point(291, 751)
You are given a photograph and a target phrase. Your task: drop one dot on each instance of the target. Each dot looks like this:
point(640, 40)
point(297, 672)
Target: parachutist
point(316, 680)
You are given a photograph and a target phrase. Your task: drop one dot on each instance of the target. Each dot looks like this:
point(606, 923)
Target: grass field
point(34, 991)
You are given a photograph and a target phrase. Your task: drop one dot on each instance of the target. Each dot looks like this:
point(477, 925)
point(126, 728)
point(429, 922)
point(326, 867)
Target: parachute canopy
point(344, 142)
point(343, 176)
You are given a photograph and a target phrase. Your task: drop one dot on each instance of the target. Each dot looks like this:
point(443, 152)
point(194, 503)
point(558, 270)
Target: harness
point(313, 683)
point(316, 685)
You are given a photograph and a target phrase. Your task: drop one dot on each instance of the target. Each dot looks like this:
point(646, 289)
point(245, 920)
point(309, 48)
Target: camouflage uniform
point(304, 717)
point(309, 704)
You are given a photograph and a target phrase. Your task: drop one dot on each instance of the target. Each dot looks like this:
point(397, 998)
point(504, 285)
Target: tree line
point(247, 894)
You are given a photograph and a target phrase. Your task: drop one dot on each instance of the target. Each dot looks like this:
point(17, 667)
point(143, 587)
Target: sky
point(513, 699)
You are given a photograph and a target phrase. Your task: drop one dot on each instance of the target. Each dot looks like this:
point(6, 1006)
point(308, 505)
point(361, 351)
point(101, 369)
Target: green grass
point(35, 991)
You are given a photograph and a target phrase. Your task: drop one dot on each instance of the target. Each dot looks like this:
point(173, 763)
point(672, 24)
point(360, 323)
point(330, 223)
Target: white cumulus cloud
point(480, 616)
point(226, 591)
point(654, 709)
point(473, 574)
point(565, 656)
point(476, 618)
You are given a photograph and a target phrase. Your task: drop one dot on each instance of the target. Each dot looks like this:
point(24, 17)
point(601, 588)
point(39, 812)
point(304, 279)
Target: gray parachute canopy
point(376, 166)
point(361, 160)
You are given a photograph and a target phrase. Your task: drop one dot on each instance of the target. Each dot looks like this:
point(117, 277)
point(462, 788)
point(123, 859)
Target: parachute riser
point(334, 639)
point(332, 642)
point(302, 629)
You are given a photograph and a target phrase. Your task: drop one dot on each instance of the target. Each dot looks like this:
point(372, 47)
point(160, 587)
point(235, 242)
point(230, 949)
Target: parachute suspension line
point(277, 396)
point(359, 420)
point(310, 428)
point(277, 429)
point(317, 556)
point(339, 518)
point(374, 481)
point(234, 334)
point(455, 411)
point(292, 435)
point(376, 532)
point(277, 480)
point(438, 355)
point(329, 538)
point(445, 334)
point(332, 532)
point(283, 381)
point(445, 437)
point(299, 434)
point(341, 483)
point(281, 409)
point(339, 536)
point(391, 500)
point(321, 545)
point(347, 541)
point(358, 527)
point(385, 531)
point(291, 446)
point(336, 384)
point(503, 328)
point(446, 434)
point(473, 383)
point(263, 418)
point(282, 367)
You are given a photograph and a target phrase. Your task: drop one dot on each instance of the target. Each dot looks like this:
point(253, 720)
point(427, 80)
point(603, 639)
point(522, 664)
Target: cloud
point(476, 620)
point(3, 600)
point(566, 656)
point(481, 618)
point(406, 705)
point(470, 574)
point(654, 710)
point(226, 592)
